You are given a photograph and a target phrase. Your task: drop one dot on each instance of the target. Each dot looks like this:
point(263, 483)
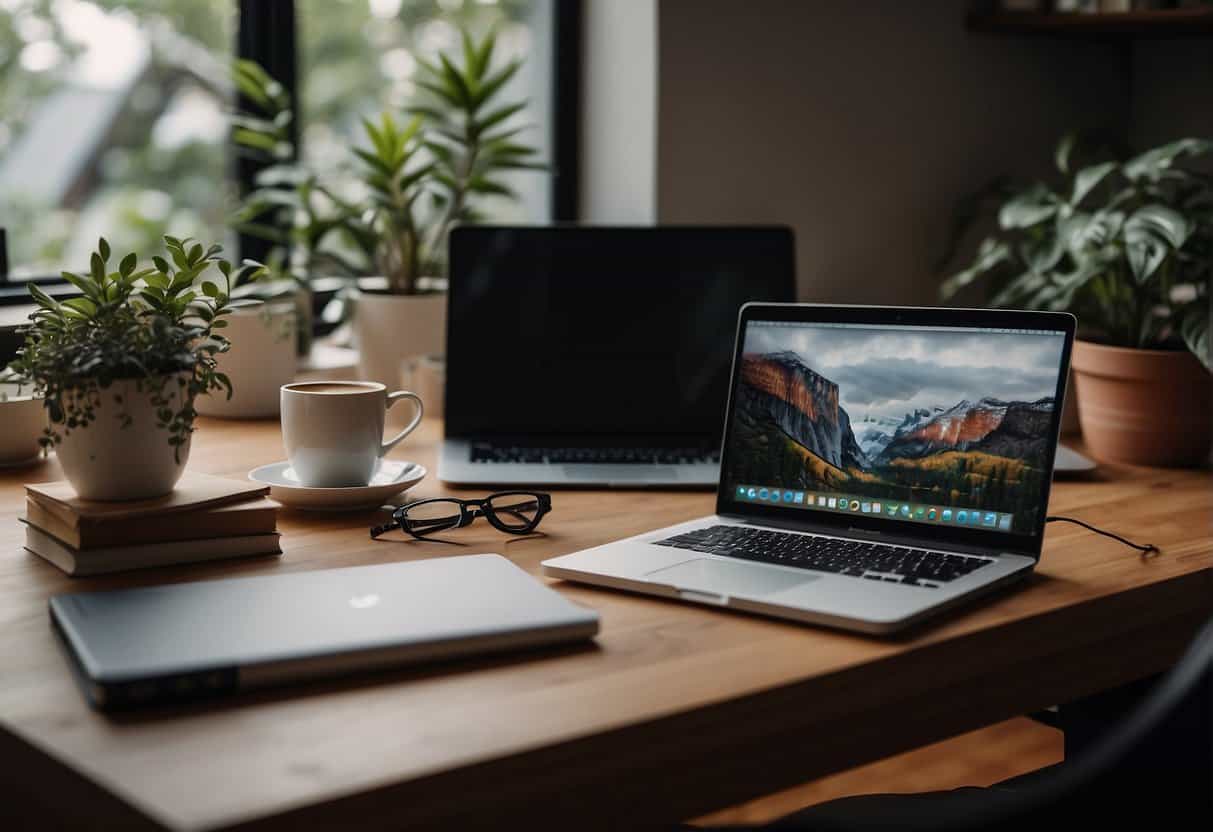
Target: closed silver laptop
point(136, 647)
point(879, 465)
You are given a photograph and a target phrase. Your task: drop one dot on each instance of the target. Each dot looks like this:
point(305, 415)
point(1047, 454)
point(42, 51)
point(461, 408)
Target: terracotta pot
point(1144, 407)
point(392, 328)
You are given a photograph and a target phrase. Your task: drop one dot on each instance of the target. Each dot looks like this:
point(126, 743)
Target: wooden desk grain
point(677, 710)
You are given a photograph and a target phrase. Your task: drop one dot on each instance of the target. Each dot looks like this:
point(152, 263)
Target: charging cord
point(1145, 550)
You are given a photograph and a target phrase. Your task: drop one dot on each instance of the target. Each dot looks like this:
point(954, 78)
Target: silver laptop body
point(594, 355)
point(150, 645)
point(879, 466)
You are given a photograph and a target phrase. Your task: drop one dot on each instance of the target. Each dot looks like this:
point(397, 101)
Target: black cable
point(1145, 550)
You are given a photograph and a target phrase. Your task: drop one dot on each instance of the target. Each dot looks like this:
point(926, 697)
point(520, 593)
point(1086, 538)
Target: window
point(113, 114)
point(358, 57)
point(113, 123)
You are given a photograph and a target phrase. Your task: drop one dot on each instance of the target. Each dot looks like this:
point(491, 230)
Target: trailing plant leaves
point(149, 326)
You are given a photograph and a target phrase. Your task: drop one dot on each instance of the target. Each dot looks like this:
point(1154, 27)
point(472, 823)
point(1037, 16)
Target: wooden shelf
point(1160, 23)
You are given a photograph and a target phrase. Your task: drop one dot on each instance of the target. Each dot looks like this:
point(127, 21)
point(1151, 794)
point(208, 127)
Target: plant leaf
point(1152, 164)
point(990, 255)
point(1027, 209)
point(1064, 149)
point(1194, 328)
point(83, 305)
point(1087, 178)
point(1160, 220)
point(128, 264)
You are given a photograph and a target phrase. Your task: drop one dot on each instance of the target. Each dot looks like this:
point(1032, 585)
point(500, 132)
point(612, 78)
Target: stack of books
point(205, 518)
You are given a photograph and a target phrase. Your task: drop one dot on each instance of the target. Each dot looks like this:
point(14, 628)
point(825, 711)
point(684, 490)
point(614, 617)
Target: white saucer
point(393, 478)
point(1069, 461)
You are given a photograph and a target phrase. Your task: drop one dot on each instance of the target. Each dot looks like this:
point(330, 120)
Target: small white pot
point(262, 358)
point(23, 419)
point(116, 459)
point(390, 329)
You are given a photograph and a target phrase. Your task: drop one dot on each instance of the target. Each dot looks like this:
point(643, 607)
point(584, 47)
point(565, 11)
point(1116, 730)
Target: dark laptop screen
point(952, 426)
point(607, 332)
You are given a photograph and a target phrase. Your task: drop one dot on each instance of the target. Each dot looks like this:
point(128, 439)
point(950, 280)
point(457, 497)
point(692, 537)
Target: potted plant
point(263, 356)
point(421, 175)
point(120, 367)
point(1128, 247)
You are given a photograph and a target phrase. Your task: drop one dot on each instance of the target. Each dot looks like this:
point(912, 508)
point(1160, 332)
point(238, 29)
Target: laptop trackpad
point(728, 578)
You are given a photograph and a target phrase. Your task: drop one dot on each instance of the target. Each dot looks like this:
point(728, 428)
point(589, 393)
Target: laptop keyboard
point(490, 453)
point(857, 558)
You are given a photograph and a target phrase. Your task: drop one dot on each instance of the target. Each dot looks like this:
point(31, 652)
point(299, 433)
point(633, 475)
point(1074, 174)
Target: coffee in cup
point(333, 430)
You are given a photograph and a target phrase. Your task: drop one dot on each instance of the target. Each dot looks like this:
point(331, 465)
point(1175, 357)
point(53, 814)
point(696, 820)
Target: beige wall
point(859, 124)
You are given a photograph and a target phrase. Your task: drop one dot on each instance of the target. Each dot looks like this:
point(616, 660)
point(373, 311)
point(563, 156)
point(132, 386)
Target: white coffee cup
point(333, 430)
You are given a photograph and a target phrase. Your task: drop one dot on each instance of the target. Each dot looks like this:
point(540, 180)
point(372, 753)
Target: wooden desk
point(678, 710)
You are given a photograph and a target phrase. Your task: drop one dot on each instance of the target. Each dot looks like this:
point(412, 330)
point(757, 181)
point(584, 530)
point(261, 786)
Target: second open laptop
point(598, 355)
point(879, 466)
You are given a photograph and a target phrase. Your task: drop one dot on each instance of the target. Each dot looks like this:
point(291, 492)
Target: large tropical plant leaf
point(1154, 163)
point(1151, 233)
point(1032, 207)
point(1021, 292)
point(1194, 328)
point(991, 254)
point(1087, 179)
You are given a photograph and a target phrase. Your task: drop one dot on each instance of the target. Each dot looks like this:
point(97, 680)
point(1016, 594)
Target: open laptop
point(879, 465)
point(598, 356)
point(156, 644)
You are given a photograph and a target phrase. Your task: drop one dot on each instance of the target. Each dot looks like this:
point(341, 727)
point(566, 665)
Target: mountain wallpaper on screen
point(791, 430)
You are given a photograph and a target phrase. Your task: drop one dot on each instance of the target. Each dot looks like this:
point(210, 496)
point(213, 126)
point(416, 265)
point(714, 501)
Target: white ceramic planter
point(392, 328)
point(262, 358)
point(22, 420)
point(111, 460)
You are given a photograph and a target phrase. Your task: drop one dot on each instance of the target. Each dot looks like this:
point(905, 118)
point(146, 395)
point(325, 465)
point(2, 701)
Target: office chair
point(1137, 773)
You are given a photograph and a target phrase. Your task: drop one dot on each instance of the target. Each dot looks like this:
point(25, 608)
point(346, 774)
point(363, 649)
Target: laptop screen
point(602, 332)
point(938, 425)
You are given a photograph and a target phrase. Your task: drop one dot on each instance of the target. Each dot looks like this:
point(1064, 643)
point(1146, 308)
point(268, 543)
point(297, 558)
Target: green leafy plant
point(156, 326)
point(1126, 245)
point(424, 173)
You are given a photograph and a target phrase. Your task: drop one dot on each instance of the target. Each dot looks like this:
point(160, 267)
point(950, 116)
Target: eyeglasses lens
point(515, 511)
point(431, 516)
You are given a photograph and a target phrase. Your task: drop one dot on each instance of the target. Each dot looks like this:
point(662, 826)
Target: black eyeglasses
point(513, 512)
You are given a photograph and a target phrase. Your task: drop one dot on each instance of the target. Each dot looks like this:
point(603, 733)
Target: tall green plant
point(157, 326)
point(1126, 245)
point(424, 173)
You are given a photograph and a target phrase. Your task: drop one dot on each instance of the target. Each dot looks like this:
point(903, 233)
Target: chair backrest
point(1155, 766)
